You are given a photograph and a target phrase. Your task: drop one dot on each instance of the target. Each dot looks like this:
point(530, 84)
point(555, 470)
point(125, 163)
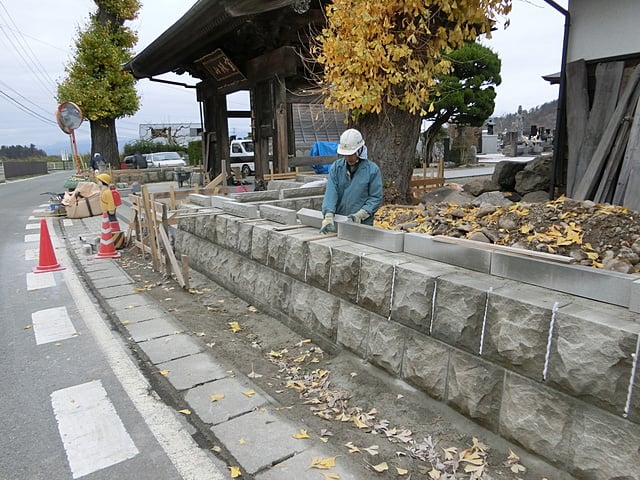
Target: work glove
point(359, 217)
point(327, 224)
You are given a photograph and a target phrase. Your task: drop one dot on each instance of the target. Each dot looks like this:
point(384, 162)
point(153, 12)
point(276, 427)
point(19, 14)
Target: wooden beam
point(577, 114)
point(631, 163)
point(282, 63)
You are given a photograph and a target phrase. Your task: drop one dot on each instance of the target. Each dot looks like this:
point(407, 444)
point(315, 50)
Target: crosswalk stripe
point(36, 281)
point(52, 325)
point(32, 254)
point(91, 430)
point(32, 237)
point(33, 226)
point(67, 222)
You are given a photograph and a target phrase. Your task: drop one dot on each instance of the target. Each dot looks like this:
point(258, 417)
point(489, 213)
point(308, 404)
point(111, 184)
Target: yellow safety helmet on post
point(350, 142)
point(104, 178)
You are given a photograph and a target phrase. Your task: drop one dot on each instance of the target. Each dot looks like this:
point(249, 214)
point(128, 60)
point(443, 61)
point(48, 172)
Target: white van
point(241, 153)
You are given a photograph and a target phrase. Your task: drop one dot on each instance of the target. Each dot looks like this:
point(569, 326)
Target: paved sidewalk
point(247, 425)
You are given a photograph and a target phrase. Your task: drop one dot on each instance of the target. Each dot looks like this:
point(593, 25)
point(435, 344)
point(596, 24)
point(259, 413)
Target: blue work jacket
point(345, 195)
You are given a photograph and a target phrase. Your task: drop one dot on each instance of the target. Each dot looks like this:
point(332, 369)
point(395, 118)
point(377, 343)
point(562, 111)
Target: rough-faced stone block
point(537, 418)
point(461, 299)
point(604, 446)
point(260, 242)
point(517, 327)
point(199, 199)
point(205, 227)
point(295, 263)
point(386, 342)
point(425, 364)
point(315, 309)
point(592, 353)
point(319, 262)
point(345, 269)
point(221, 229)
point(276, 250)
point(301, 192)
point(187, 224)
point(475, 388)
point(376, 281)
point(260, 196)
point(245, 235)
point(353, 328)
point(231, 240)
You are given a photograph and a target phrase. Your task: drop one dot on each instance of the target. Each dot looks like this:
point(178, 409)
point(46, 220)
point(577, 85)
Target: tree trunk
point(391, 138)
point(104, 140)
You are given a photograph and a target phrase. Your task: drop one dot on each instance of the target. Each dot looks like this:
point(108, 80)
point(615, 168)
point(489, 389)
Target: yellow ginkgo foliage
point(377, 53)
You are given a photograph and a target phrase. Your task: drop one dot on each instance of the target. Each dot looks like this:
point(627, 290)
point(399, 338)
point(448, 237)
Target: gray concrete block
point(345, 269)
point(285, 216)
point(155, 328)
point(386, 344)
point(592, 353)
point(375, 237)
point(187, 372)
point(240, 209)
point(169, 348)
point(259, 196)
point(475, 388)
point(459, 255)
point(234, 403)
point(634, 296)
point(313, 218)
point(260, 243)
point(218, 200)
point(297, 467)
point(245, 235)
point(425, 364)
point(316, 309)
point(301, 192)
point(353, 328)
point(376, 281)
point(199, 199)
point(254, 453)
point(587, 282)
point(117, 280)
point(206, 226)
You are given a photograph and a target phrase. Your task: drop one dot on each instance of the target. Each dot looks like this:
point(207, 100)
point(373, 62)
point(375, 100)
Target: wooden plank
point(146, 200)
point(608, 78)
point(591, 175)
point(185, 270)
point(577, 114)
point(319, 237)
point(288, 227)
point(630, 163)
point(177, 270)
point(605, 190)
point(502, 248)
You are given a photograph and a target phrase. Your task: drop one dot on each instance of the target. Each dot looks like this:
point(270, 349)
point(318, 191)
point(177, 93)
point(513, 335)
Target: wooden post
point(172, 198)
point(151, 231)
point(185, 270)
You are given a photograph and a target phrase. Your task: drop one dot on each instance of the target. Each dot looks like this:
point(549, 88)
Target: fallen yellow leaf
point(164, 373)
point(235, 327)
point(242, 441)
point(331, 476)
point(186, 411)
point(303, 434)
point(435, 474)
point(249, 393)
point(235, 472)
point(323, 463)
point(251, 308)
point(381, 467)
point(216, 448)
point(401, 471)
point(125, 322)
point(216, 396)
point(352, 448)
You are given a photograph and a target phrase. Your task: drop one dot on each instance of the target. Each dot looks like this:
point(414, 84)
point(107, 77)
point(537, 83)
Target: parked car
point(127, 162)
point(165, 159)
point(241, 152)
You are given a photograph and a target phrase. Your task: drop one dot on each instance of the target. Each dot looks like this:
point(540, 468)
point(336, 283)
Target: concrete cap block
point(218, 200)
point(313, 218)
point(301, 192)
point(278, 214)
point(240, 209)
point(462, 256)
point(368, 235)
point(259, 196)
point(198, 199)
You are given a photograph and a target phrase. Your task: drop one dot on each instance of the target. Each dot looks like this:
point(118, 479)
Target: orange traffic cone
point(106, 250)
point(47, 260)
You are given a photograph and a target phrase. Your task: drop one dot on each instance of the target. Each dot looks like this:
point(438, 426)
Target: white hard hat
point(350, 142)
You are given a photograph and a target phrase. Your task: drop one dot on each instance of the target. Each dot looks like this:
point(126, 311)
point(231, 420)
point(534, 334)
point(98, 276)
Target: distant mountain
point(543, 116)
point(57, 147)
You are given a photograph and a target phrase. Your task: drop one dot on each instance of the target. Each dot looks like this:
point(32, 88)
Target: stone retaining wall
point(550, 371)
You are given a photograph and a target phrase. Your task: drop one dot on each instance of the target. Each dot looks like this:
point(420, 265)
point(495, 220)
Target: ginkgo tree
point(95, 80)
point(380, 62)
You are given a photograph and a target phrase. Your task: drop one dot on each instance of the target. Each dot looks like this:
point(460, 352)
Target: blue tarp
point(323, 148)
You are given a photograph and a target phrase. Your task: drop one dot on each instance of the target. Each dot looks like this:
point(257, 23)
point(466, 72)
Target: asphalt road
point(73, 403)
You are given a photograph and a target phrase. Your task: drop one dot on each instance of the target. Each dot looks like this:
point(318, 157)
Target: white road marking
point(67, 222)
point(32, 254)
point(33, 226)
point(42, 210)
point(32, 237)
point(92, 432)
point(191, 462)
point(52, 325)
point(32, 217)
point(36, 281)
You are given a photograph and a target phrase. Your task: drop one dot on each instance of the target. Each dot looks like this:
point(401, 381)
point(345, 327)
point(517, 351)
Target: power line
point(27, 110)
point(46, 112)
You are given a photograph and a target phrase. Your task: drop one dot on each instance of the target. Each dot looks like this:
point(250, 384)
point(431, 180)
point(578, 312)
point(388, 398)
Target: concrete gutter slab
point(199, 199)
point(234, 404)
point(254, 453)
point(459, 255)
point(128, 301)
point(150, 329)
point(285, 216)
point(240, 209)
point(169, 348)
point(117, 291)
point(138, 314)
point(114, 281)
point(193, 370)
point(298, 467)
point(375, 237)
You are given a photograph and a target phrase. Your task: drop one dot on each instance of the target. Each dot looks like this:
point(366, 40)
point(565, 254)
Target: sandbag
point(83, 201)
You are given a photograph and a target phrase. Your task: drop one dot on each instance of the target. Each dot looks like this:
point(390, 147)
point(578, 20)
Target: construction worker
point(354, 184)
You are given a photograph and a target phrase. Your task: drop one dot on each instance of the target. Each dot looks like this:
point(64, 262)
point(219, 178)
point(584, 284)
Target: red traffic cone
point(47, 260)
point(107, 250)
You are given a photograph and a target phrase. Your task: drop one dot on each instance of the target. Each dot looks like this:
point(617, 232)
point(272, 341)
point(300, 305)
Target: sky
point(36, 47)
